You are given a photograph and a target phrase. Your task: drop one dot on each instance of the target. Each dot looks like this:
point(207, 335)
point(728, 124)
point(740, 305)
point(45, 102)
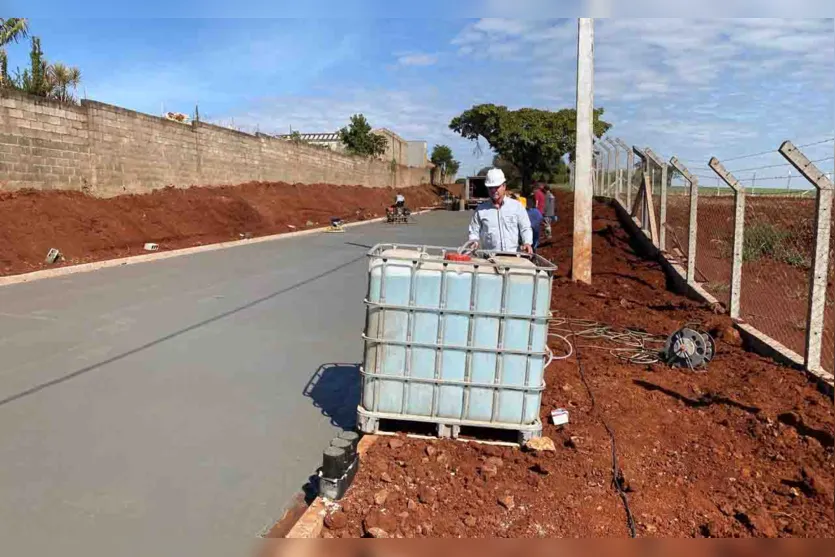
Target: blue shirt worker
point(536, 218)
point(500, 223)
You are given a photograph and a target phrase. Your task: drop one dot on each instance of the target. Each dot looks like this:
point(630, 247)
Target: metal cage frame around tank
point(480, 258)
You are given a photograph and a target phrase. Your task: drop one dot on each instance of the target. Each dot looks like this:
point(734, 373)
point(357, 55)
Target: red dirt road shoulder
point(87, 229)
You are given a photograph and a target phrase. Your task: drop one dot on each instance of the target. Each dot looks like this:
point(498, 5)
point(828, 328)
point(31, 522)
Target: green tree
point(530, 139)
point(35, 80)
point(445, 165)
point(359, 140)
point(12, 29)
point(61, 79)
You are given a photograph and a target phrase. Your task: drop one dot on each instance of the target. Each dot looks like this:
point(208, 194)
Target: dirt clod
point(540, 444)
point(488, 470)
point(430, 450)
point(379, 518)
point(336, 520)
point(507, 501)
point(377, 533)
point(395, 443)
point(380, 497)
point(427, 495)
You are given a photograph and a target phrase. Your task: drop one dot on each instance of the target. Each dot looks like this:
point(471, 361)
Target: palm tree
point(11, 30)
point(61, 78)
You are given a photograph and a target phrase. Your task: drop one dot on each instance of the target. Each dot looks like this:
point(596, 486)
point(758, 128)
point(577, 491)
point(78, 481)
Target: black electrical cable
point(617, 474)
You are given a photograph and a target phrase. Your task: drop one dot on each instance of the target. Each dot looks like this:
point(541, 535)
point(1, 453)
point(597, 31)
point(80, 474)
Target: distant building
point(405, 153)
point(417, 153)
point(329, 140)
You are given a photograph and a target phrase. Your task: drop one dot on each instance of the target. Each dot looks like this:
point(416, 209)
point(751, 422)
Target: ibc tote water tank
point(455, 343)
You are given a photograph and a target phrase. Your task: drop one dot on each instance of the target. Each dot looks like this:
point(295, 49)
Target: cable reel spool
point(689, 348)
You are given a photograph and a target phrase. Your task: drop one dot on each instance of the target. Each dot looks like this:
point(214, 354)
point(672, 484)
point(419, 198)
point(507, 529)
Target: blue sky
point(690, 88)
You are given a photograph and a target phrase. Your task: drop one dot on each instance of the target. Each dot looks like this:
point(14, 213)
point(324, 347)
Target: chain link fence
point(777, 246)
point(714, 249)
point(828, 347)
point(777, 254)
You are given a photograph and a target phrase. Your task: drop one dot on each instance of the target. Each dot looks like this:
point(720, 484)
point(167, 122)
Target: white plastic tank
point(457, 342)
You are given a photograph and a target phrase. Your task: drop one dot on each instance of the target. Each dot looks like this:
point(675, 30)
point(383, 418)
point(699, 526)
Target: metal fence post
point(739, 231)
point(693, 225)
point(662, 212)
point(820, 261)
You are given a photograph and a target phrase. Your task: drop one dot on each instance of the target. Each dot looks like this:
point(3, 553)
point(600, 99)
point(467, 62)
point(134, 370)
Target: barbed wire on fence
point(696, 163)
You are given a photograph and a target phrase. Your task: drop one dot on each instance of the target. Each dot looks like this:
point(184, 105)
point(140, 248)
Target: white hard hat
point(495, 178)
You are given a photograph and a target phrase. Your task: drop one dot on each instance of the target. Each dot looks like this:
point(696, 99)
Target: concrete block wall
point(107, 150)
point(43, 144)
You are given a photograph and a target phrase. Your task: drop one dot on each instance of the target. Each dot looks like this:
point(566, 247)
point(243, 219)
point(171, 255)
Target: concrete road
point(174, 408)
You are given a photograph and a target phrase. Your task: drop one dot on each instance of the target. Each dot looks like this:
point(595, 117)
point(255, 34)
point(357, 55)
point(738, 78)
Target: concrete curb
point(157, 256)
point(310, 524)
point(757, 341)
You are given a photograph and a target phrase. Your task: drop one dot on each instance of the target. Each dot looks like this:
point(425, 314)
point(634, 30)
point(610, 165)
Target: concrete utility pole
point(583, 195)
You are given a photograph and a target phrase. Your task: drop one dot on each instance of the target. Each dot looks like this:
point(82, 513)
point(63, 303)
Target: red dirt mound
point(87, 228)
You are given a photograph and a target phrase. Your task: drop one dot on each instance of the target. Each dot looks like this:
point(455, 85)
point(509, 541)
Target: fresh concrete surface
point(166, 408)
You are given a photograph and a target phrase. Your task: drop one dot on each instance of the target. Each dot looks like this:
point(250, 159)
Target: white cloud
point(693, 88)
point(417, 59)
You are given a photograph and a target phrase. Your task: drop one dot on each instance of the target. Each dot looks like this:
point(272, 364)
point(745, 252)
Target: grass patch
point(717, 286)
point(764, 240)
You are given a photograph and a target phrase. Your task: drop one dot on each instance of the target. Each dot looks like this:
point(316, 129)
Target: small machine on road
point(336, 225)
point(398, 215)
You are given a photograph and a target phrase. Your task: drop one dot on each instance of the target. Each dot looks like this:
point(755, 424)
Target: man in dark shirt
point(535, 216)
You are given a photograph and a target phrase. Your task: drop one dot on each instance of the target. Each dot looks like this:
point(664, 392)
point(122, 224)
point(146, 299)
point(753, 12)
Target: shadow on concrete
point(176, 334)
point(335, 390)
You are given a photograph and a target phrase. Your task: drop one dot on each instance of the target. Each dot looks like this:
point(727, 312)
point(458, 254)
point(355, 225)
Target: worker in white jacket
point(500, 224)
